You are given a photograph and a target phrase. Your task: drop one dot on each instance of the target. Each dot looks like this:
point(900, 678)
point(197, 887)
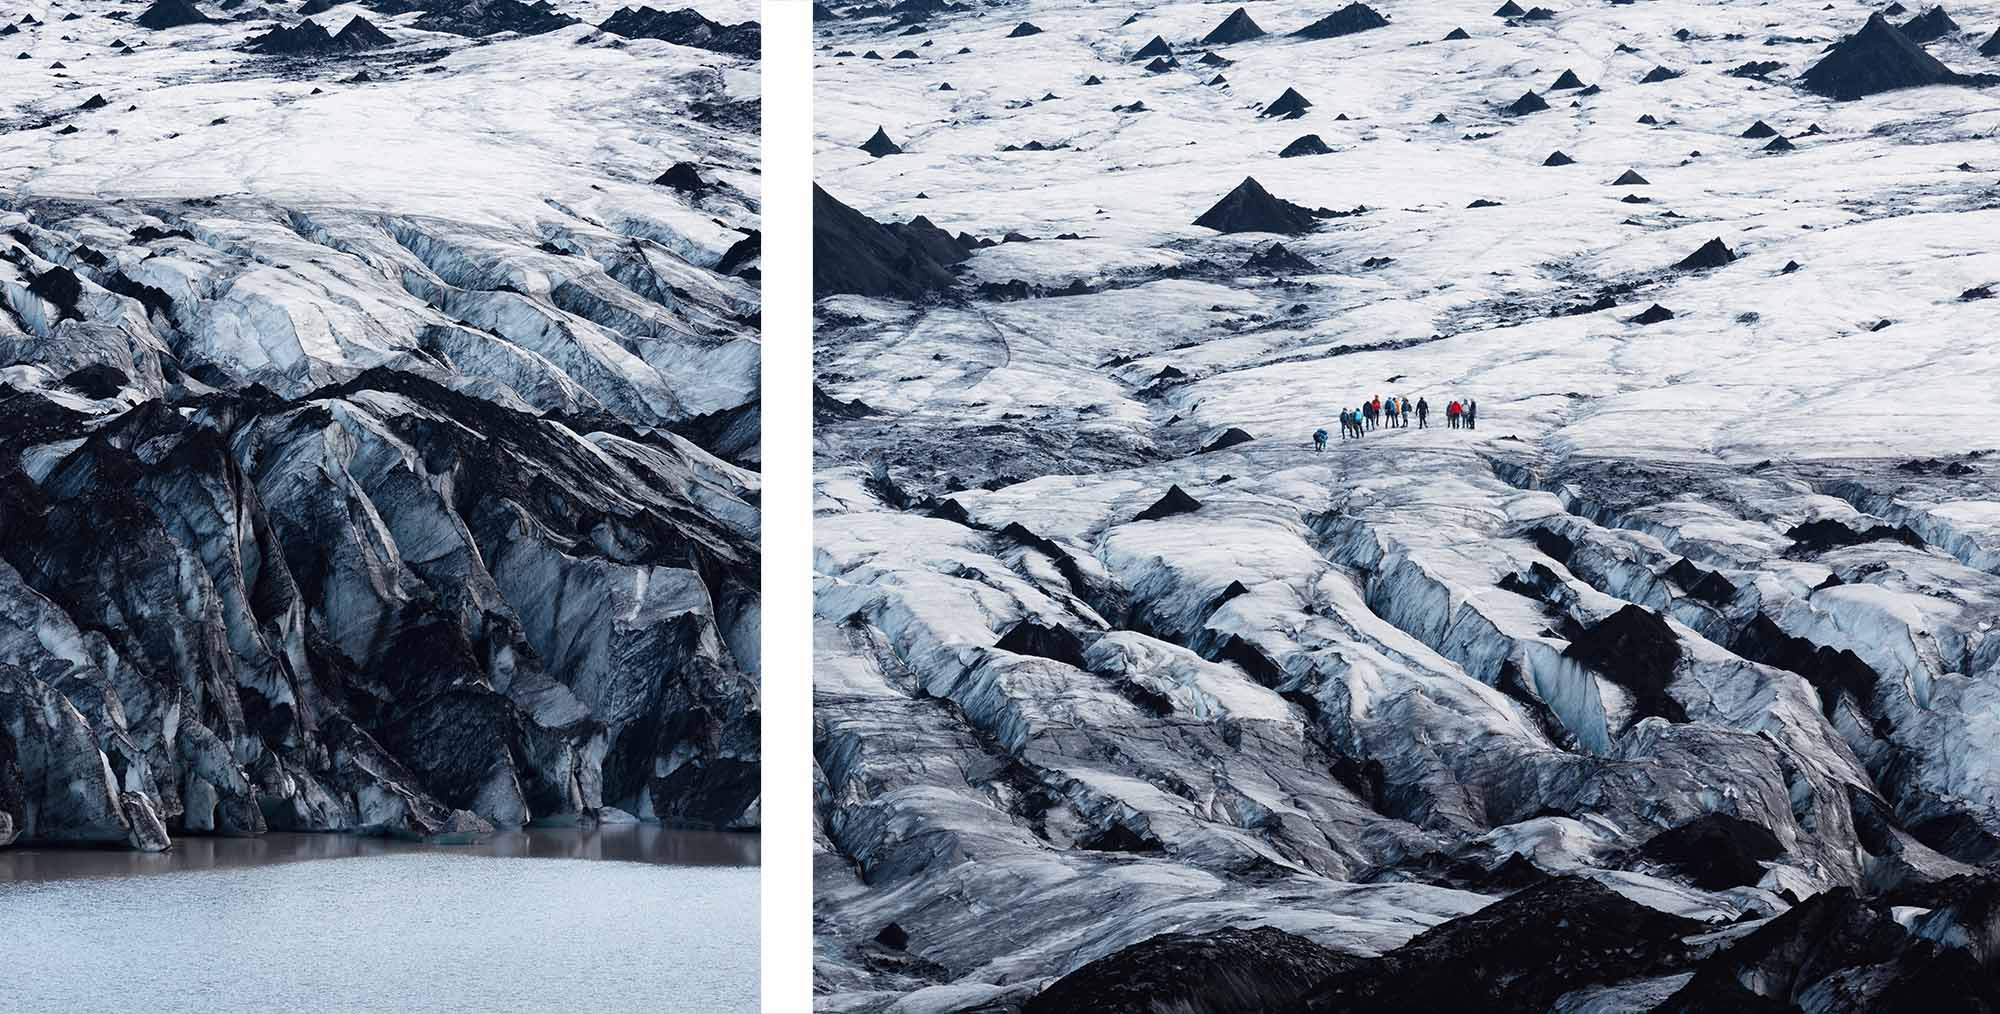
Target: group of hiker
point(1397, 413)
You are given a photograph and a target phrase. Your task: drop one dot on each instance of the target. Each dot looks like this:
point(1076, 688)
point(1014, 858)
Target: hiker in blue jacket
point(1319, 439)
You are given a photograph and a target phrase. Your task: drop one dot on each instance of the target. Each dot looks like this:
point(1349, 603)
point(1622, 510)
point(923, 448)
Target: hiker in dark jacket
point(1423, 413)
point(1471, 414)
point(1319, 439)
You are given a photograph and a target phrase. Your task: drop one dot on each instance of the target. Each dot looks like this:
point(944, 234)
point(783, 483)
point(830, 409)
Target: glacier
point(1677, 670)
point(380, 443)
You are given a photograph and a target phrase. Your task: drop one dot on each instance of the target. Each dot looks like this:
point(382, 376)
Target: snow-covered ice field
point(1699, 611)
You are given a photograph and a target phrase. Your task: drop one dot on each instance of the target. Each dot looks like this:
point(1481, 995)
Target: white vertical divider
point(787, 508)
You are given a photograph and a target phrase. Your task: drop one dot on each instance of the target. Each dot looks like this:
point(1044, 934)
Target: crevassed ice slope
point(380, 451)
point(1303, 703)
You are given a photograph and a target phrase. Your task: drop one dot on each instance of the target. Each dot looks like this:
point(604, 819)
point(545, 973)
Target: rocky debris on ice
point(1226, 439)
point(1716, 851)
point(163, 14)
point(1237, 27)
point(1712, 254)
point(1155, 48)
point(1290, 105)
point(1233, 969)
point(1305, 144)
point(686, 27)
point(1176, 501)
point(1355, 17)
point(684, 177)
point(1930, 26)
point(879, 144)
point(1251, 208)
point(308, 38)
point(482, 18)
point(1876, 59)
point(1277, 260)
point(1522, 953)
point(853, 253)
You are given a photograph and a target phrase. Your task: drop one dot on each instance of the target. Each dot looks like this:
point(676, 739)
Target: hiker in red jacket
point(1451, 413)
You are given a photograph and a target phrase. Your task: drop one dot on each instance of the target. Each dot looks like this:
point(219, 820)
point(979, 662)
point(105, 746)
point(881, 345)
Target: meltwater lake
point(627, 918)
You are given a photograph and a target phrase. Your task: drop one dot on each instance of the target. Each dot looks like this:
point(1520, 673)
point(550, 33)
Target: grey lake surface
point(619, 919)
